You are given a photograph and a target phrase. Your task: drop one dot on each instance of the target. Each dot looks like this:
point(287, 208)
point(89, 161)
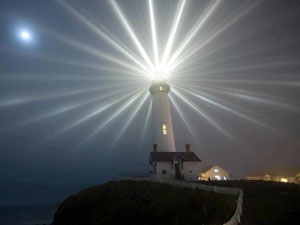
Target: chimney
point(188, 148)
point(155, 148)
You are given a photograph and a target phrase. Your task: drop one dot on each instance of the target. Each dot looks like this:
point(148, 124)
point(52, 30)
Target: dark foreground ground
point(267, 203)
point(144, 203)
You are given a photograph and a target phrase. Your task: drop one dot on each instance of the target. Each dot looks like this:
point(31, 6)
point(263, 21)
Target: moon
point(25, 35)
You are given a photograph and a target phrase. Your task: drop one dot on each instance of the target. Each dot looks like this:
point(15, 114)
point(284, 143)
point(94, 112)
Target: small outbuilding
point(174, 165)
point(213, 172)
point(281, 174)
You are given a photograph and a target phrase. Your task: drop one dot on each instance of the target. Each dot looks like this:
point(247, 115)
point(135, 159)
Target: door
point(177, 170)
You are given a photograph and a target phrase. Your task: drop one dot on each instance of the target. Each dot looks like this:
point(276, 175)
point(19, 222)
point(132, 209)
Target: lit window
point(218, 177)
point(216, 170)
point(284, 180)
point(164, 128)
point(160, 88)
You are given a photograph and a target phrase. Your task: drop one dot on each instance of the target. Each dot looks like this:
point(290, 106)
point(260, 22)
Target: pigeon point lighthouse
point(162, 128)
point(165, 161)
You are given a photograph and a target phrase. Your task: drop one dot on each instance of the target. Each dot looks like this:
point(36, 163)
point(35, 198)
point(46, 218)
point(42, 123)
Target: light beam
point(121, 109)
point(131, 33)
point(230, 110)
point(146, 122)
point(129, 120)
point(209, 38)
point(153, 29)
point(172, 33)
point(204, 115)
point(102, 34)
point(201, 21)
point(187, 124)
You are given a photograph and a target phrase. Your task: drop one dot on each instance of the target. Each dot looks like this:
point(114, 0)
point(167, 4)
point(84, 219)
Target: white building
point(213, 172)
point(165, 162)
point(174, 165)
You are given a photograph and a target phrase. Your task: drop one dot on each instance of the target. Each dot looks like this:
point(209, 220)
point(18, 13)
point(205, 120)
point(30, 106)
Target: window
point(164, 129)
point(216, 170)
point(164, 172)
point(160, 88)
point(284, 180)
point(218, 177)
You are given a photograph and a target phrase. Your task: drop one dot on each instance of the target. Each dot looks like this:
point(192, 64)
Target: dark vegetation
point(144, 203)
point(267, 203)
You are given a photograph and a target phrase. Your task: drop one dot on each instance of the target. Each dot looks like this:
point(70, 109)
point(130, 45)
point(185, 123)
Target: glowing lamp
point(159, 75)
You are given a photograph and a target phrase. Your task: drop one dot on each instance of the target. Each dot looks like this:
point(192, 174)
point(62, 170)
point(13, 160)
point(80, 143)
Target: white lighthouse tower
point(162, 128)
point(165, 161)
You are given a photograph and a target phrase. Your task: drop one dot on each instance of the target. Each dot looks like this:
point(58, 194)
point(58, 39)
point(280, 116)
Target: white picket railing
point(235, 219)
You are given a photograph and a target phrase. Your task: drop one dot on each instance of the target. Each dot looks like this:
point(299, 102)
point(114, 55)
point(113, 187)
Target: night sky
point(53, 144)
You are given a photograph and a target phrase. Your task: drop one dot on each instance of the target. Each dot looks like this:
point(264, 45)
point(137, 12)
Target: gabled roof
point(169, 156)
point(205, 168)
point(280, 171)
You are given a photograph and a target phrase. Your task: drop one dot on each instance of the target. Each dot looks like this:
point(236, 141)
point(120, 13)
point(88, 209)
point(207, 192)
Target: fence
point(169, 176)
point(235, 219)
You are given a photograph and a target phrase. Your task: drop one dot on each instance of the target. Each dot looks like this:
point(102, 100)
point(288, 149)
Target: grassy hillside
point(267, 203)
point(144, 203)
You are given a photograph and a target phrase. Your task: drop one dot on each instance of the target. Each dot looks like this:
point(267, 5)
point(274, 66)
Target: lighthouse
point(165, 161)
point(162, 128)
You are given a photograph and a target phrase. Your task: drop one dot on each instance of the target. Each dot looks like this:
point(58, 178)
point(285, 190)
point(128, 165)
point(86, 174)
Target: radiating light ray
point(272, 64)
point(210, 37)
point(93, 51)
point(85, 65)
point(13, 101)
point(56, 77)
point(241, 37)
point(170, 41)
point(132, 116)
point(16, 101)
point(266, 101)
point(196, 60)
point(205, 116)
point(146, 124)
point(122, 108)
point(131, 33)
point(73, 76)
point(279, 62)
point(199, 24)
point(101, 33)
point(252, 96)
point(235, 112)
point(215, 49)
point(187, 124)
point(72, 107)
point(93, 114)
point(153, 29)
point(240, 81)
point(246, 95)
